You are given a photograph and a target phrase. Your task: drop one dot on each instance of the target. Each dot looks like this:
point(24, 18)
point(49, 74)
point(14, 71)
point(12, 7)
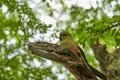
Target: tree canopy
point(22, 20)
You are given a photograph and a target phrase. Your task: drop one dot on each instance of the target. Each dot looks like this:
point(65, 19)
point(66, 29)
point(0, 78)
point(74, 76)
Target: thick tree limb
point(109, 62)
point(59, 54)
point(40, 49)
point(101, 54)
point(51, 51)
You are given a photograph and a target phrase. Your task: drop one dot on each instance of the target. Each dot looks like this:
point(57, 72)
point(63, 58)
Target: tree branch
point(109, 62)
point(63, 56)
point(57, 53)
point(101, 54)
point(39, 48)
point(115, 25)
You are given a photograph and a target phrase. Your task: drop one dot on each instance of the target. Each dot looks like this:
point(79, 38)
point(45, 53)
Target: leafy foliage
point(18, 23)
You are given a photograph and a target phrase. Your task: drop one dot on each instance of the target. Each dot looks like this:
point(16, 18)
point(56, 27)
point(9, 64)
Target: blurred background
point(25, 21)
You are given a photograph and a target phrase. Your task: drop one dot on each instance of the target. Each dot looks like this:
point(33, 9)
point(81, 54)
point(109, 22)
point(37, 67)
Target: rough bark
point(109, 62)
point(56, 53)
point(61, 55)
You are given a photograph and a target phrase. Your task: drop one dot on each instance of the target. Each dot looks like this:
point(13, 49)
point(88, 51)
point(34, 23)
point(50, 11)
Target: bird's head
point(65, 35)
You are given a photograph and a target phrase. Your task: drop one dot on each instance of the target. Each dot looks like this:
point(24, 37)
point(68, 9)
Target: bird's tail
point(97, 73)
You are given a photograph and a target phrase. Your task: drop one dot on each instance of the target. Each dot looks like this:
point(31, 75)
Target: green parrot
point(85, 69)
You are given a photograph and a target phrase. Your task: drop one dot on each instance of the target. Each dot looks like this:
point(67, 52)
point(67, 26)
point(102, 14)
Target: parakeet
point(85, 69)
